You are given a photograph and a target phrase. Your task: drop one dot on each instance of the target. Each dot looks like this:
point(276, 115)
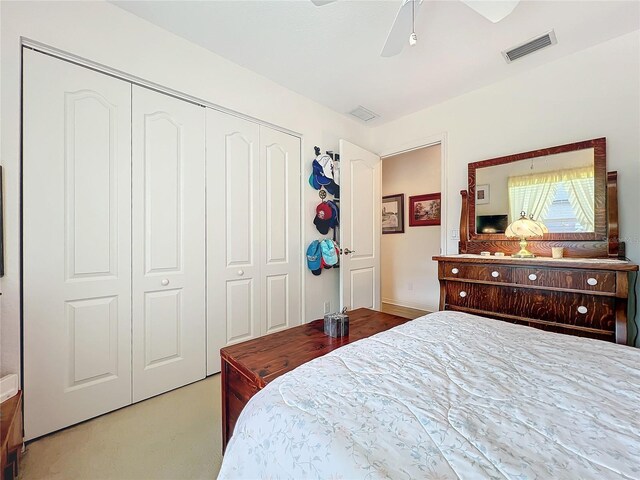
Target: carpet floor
point(174, 436)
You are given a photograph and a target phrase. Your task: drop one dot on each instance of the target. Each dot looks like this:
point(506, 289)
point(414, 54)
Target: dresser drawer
point(581, 310)
point(487, 273)
point(589, 280)
point(478, 296)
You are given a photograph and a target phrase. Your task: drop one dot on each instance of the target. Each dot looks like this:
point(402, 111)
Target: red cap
point(324, 211)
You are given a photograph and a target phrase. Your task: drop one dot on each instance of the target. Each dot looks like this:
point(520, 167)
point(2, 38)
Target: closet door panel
point(76, 243)
point(279, 209)
point(233, 233)
point(169, 243)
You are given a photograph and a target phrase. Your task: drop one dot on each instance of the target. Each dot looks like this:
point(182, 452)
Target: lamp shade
point(542, 225)
point(524, 228)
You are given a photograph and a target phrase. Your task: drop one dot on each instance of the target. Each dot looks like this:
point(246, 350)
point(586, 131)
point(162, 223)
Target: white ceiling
point(331, 54)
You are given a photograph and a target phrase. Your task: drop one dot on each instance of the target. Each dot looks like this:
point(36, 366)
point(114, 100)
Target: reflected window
point(561, 216)
point(563, 199)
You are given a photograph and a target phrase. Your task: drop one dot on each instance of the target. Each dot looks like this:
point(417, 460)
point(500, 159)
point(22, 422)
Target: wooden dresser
point(584, 297)
point(247, 367)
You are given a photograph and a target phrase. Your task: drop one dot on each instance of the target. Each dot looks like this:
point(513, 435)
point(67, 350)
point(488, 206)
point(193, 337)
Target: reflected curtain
point(532, 194)
point(581, 187)
point(535, 193)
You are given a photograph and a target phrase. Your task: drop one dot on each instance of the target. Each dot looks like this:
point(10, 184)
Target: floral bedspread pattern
point(447, 396)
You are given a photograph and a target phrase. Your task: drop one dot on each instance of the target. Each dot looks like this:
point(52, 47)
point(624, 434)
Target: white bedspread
point(448, 395)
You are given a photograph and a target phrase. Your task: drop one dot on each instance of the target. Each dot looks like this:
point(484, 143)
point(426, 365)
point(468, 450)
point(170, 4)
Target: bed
point(448, 395)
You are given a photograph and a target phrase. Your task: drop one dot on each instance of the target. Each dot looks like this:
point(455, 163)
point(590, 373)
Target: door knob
point(165, 282)
point(347, 251)
point(240, 272)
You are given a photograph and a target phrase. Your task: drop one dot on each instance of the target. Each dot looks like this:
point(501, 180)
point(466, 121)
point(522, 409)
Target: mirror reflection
point(558, 190)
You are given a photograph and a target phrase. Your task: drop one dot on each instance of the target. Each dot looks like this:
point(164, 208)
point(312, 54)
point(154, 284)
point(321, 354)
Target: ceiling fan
point(493, 10)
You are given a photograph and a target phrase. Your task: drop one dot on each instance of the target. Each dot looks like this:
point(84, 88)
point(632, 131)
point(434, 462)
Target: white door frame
point(441, 139)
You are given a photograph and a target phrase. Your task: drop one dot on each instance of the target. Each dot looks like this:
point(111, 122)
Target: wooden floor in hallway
point(404, 312)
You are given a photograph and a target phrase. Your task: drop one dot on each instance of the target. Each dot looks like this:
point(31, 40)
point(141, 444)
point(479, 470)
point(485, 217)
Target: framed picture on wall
point(393, 213)
point(482, 194)
point(424, 210)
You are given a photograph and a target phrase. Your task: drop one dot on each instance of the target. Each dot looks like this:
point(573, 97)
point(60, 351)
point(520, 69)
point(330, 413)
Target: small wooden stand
point(11, 436)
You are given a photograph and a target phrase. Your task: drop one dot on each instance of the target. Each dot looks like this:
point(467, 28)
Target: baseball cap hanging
point(335, 218)
point(314, 257)
point(325, 162)
point(322, 171)
point(324, 218)
point(329, 255)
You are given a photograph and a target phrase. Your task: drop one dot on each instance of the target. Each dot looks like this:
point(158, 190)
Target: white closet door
point(233, 233)
point(76, 243)
point(279, 210)
point(168, 243)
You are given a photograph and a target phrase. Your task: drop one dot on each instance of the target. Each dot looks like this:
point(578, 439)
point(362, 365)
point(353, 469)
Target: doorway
point(411, 234)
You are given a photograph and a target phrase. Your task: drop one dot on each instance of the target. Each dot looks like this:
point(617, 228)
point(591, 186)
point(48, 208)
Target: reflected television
point(491, 223)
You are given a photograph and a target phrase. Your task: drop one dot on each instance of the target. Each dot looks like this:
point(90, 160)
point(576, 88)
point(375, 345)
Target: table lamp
point(542, 225)
point(524, 228)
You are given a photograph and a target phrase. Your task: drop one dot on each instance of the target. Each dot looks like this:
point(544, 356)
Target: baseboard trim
point(396, 303)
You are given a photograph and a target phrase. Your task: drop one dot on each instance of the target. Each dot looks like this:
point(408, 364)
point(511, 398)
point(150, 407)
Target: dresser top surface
point(268, 357)
point(586, 263)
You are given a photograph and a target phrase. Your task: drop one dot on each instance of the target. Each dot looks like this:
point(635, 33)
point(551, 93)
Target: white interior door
point(279, 209)
point(76, 243)
point(169, 319)
point(360, 217)
point(233, 233)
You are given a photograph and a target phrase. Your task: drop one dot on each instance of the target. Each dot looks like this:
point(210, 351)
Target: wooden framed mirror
point(565, 187)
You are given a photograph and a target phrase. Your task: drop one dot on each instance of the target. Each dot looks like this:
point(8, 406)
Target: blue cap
point(313, 182)
point(329, 252)
point(335, 219)
point(332, 188)
point(314, 257)
point(318, 174)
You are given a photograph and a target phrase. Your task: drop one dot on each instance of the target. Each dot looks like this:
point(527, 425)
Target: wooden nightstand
point(247, 367)
point(11, 436)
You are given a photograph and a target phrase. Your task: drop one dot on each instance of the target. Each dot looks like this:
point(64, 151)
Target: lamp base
point(523, 253)
point(526, 255)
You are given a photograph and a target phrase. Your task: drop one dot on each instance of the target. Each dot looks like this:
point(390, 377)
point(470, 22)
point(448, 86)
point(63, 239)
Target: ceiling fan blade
point(320, 3)
point(401, 29)
point(494, 10)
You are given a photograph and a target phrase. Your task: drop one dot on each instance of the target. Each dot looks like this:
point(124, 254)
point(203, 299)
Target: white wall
point(106, 34)
point(592, 93)
point(409, 276)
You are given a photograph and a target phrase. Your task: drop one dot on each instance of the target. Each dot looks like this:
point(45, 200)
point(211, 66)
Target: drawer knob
point(533, 276)
point(495, 274)
point(454, 271)
point(164, 282)
point(582, 309)
point(592, 281)
point(463, 294)
point(240, 272)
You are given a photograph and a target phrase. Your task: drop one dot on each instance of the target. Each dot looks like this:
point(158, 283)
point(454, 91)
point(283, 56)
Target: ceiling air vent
point(530, 46)
point(363, 114)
